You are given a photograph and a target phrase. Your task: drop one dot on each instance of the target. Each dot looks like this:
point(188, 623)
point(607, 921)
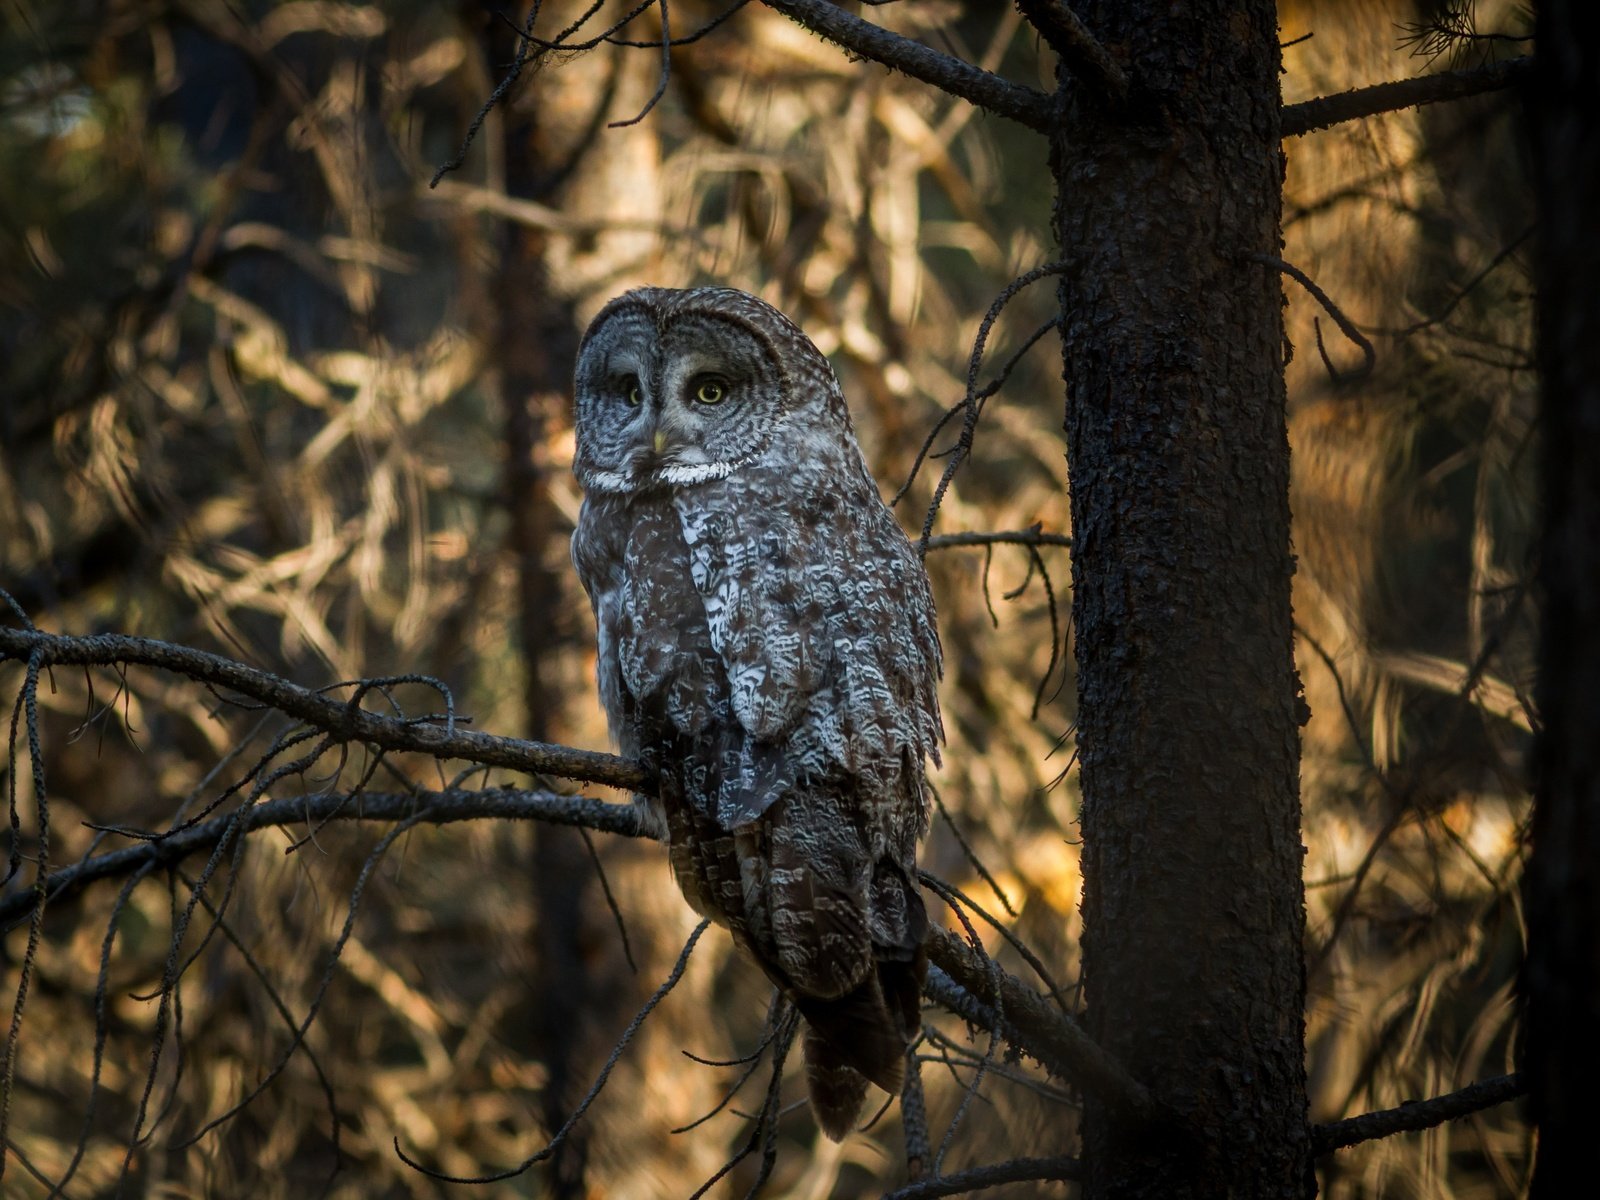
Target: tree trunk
point(1188, 699)
point(535, 346)
point(1561, 979)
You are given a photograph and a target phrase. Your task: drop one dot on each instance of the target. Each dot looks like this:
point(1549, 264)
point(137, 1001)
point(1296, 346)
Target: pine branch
point(1416, 1114)
point(1070, 38)
point(341, 718)
point(1311, 115)
point(951, 75)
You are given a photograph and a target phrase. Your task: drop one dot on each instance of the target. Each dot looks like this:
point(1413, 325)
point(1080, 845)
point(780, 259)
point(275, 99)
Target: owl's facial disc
point(673, 402)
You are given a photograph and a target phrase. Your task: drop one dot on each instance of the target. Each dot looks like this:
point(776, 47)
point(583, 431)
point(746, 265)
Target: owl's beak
point(660, 440)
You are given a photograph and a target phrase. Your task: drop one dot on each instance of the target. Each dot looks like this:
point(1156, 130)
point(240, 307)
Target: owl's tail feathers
point(862, 1036)
point(850, 1042)
point(837, 1089)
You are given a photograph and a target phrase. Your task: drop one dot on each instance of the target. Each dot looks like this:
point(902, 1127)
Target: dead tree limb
point(341, 718)
point(1416, 1114)
point(961, 979)
point(436, 808)
point(1032, 1024)
point(1079, 49)
point(1325, 111)
point(951, 75)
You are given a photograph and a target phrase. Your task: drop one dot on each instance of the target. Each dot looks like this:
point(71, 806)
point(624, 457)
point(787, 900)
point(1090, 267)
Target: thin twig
point(687, 39)
point(600, 1081)
point(971, 854)
point(952, 895)
point(611, 900)
point(980, 398)
point(1369, 356)
point(102, 1029)
point(975, 1179)
point(662, 78)
point(950, 1049)
point(1032, 536)
point(1466, 290)
point(495, 97)
point(998, 999)
point(764, 1132)
point(35, 900)
point(971, 404)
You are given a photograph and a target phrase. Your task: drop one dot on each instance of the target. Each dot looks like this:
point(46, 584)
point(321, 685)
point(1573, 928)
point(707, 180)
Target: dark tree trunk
point(1187, 720)
point(535, 346)
point(1562, 975)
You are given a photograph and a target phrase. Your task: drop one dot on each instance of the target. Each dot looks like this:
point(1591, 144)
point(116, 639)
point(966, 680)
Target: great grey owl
point(767, 648)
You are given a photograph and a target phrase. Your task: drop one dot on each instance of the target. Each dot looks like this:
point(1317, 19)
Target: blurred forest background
point(264, 391)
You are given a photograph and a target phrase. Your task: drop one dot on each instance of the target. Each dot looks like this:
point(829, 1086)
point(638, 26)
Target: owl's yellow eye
point(630, 393)
point(711, 391)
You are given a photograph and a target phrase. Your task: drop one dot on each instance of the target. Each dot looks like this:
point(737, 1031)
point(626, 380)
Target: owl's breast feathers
point(767, 646)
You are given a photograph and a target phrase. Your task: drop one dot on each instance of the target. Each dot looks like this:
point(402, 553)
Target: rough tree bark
point(1178, 457)
point(1561, 977)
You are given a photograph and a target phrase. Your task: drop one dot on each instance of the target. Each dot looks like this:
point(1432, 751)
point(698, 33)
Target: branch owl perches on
point(767, 647)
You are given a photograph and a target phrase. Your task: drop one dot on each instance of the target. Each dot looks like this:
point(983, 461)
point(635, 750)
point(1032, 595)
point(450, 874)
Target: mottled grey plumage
point(767, 646)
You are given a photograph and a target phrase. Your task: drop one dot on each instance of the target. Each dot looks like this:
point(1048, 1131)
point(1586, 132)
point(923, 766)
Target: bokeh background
point(265, 392)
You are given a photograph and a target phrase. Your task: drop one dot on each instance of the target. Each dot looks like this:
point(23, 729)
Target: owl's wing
point(820, 613)
point(598, 545)
point(659, 677)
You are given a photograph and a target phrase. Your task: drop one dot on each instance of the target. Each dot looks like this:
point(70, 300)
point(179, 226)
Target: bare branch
point(1017, 1170)
point(1462, 293)
point(914, 1119)
point(1070, 37)
point(339, 718)
point(1324, 111)
point(971, 404)
point(1417, 1114)
point(1369, 356)
point(1031, 1024)
point(954, 76)
point(436, 808)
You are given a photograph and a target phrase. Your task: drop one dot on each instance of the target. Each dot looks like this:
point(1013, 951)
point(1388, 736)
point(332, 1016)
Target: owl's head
point(682, 387)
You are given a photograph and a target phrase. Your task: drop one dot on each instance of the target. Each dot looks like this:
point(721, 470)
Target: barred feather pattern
point(766, 645)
